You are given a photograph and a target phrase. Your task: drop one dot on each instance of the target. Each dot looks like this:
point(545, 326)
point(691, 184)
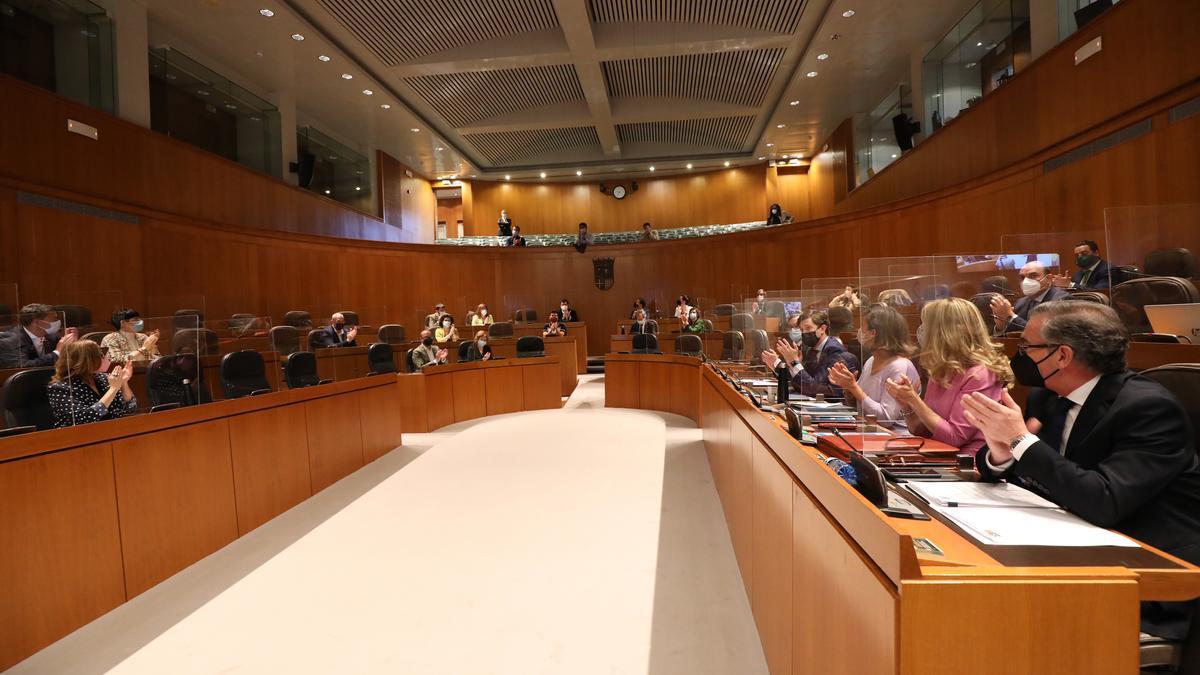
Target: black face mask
point(339, 326)
point(1086, 260)
point(1025, 369)
point(809, 339)
point(427, 341)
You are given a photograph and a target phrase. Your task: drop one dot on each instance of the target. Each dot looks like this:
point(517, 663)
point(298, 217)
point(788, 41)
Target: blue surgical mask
point(138, 325)
point(794, 334)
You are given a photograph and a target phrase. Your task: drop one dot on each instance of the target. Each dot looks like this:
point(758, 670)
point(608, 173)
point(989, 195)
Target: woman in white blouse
point(885, 333)
point(129, 343)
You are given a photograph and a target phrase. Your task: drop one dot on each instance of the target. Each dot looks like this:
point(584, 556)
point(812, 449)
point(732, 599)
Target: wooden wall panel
point(335, 444)
point(621, 386)
point(470, 400)
point(379, 416)
point(270, 463)
point(61, 565)
point(772, 555)
point(740, 511)
point(176, 507)
point(439, 392)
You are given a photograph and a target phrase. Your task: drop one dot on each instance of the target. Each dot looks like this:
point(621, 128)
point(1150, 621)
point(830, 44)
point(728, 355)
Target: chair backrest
point(1129, 298)
point(723, 310)
point(470, 316)
point(529, 346)
point(243, 373)
point(733, 346)
point(300, 370)
point(1121, 273)
point(463, 347)
point(391, 333)
point(74, 316)
point(380, 359)
point(1162, 338)
point(96, 336)
point(285, 340)
point(759, 342)
point(525, 314)
point(1182, 380)
point(502, 329)
point(651, 326)
point(690, 345)
point(707, 323)
point(26, 402)
point(350, 316)
point(408, 361)
point(1170, 262)
point(983, 302)
point(841, 319)
point(200, 341)
point(187, 318)
point(645, 343)
point(298, 318)
point(1089, 296)
point(176, 378)
point(777, 309)
point(241, 316)
point(742, 322)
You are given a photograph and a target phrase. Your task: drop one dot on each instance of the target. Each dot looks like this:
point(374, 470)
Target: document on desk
point(757, 382)
point(1025, 526)
point(978, 494)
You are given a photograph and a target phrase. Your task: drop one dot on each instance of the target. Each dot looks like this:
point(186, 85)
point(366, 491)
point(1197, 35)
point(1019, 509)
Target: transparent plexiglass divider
point(184, 304)
point(83, 312)
point(1151, 254)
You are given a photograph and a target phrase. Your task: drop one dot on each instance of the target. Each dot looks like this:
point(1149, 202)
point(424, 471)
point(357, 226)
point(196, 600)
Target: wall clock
point(619, 192)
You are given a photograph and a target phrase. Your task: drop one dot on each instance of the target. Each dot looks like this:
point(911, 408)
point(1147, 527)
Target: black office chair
point(25, 400)
point(983, 302)
point(1089, 296)
point(74, 316)
point(16, 431)
point(1161, 338)
point(300, 370)
point(777, 309)
point(759, 343)
point(391, 333)
point(1170, 262)
point(645, 343)
point(176, 378)
point(298, 318)
point(530, 346)
point(689, 345)
point(1183, 380)
point(163, 407)
point(743, 323)
point(380, 359)
point(841, 320)
point(187, 318)
point(350, 316)
point(733, 346)
point(243, 374)
point(408, 362)
point(501, 330)
point(285, 340)
point(525, 315)
point(463, 348)
point(1130, 298)
point(723, 310)
point(199, 341)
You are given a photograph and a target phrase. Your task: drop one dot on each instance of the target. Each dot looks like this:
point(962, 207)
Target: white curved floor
point(574, 541)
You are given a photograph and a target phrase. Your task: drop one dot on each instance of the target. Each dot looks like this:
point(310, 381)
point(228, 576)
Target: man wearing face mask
point(566, 313)
point(38, 339)
point(1101, 441)
point(336, 334)
point(809, 366)
point(554, 328)
point(641, 324)
point(427, 354)
point(1093, 271)
point(432, 320)
point(1036, 289)
point(759, 305)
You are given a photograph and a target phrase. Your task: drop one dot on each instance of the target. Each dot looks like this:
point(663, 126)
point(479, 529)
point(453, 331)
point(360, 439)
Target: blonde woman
point(482, 316)
point(960, 357)
point(81, 391)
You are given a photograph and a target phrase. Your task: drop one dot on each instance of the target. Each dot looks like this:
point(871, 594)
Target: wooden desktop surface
point(457, 392)
point(814, 553)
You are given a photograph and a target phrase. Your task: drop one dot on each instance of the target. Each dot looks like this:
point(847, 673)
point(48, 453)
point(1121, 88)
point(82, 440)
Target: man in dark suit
point(1093, 271)
point(810, 372)
point(566, 313)
point(1112, 447)
point(336, 334)
point(1036, 289)
point(36, 339)
point(641, 324)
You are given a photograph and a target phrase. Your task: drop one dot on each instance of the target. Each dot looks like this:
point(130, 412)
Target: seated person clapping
point(81, 391)
point(427, 354)
point(129, 343)
point(336, 334)
point(554, 328)
point(641, 324)
point(446, 330)
point(479, 349)
point(809, 365)
point(885, 334)
point(694, 322)
point(482, 316)
point(961, 359)
point(37, 340)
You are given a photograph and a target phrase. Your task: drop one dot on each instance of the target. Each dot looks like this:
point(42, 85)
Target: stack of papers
point(1001, 514)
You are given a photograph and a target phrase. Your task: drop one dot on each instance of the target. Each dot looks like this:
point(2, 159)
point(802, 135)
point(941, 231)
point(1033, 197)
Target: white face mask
point(563, 308)
point(483, 312)
point(1030, 286)
point(445, 324)
point(53, 328)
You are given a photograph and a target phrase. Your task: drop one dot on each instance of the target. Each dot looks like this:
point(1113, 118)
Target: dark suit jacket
point(504, 228)
point(17, 350)
point(1025, 305)
point(569, 316)
point(813, 378)
point(328, 337)
point(1130, 464)
point(651, 327)
point(1099, 278)
point(473, 353)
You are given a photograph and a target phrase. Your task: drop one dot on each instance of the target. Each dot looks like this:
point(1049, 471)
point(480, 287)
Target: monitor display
point(1005, 261)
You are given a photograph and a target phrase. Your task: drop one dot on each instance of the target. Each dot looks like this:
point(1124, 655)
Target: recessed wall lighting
point(689, 166)
point(297, 37)
point(651, 168)
point(578, 173)
point(323, 58)
point(822, 56)
point(811, 73)
point(726, 163)
point(386, 106)
point(794, 103)
point(848, 13)
point(266, 12)
point(368, 92)
point(543, 174)
point(347, 76)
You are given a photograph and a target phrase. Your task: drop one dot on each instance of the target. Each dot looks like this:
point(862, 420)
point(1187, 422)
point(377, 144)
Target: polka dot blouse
point(73, 402)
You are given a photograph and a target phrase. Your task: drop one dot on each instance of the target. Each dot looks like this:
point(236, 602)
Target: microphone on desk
point(843, 439)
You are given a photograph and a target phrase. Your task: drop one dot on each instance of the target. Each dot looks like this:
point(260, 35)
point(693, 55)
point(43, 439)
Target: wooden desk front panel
point(537, 393)
point(469, 395)
point(381, 424)
point(61, 566)
point(439, 393)
point(772, 534)
point(621, 385)
point(270, 463)
point(334, 439)
point(505, 390)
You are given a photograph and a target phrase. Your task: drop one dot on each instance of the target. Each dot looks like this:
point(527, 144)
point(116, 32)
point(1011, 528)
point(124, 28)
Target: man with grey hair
point(1101, 441)
point(1035, 290)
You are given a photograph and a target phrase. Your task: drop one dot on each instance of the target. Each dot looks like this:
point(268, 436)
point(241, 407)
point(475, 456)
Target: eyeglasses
point(1023, 346)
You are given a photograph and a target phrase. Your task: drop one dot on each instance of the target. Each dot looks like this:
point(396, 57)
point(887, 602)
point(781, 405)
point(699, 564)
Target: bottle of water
point(843, 470)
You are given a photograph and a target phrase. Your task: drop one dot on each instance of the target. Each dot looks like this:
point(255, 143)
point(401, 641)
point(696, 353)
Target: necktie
point(1084, 281)
point(1052, 430)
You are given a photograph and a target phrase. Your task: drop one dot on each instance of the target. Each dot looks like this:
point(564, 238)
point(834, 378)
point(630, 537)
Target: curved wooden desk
point(457, 392)
point(837, 587)
point(91, 516)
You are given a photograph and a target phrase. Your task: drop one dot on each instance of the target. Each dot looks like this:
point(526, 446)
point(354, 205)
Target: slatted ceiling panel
point(507, 146)
point(740, 78)
point(397, 31)
point(465, 98)
point(724, 133)
point(776, 16)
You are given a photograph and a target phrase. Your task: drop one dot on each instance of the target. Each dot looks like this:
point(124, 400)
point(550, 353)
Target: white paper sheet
point(1031, 527)
point(979, 494)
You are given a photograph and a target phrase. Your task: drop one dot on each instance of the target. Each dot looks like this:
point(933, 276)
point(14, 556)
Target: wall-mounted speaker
point(305, 168)
point(603, 189)
point(633, 186)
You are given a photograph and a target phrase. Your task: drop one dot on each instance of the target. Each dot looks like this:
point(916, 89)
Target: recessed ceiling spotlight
point(689, 165)
point(835, 36)
point(651, 168)
point(324, 58)
point(386, 106)
point(415, 129)
point(333, 157)
point(231, 106)
point(368, 92)
point(258, 54)
point(171, 76)
point(507, 177)
point(357, 188)
point(266, 12)
point(347, 76)
point(472, 175)
point(761, 158)
point(202, 92)
point(297, 37)
point(848, 13)
point(894, 156)
point(440, 148)
point(780, 126)
point(770, 145)
point(811, 73)
point(978, 44)
point(327, 192)
point(578, 173)
point(972, 64)
point(794, 103)
point(543, 174)
point(726, 163)
point(822, 56)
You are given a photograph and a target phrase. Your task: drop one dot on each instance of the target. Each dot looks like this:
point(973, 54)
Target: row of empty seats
point(623, 237)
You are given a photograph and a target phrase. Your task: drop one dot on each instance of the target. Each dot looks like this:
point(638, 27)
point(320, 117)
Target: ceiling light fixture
point(440, 148)
point(726, 163)
point(578, 173)
point(978, 44)
point(357, 188)
point(297, 37)
point(783, 156)
point(415, 129)
point(689, 165)
point(822, 56)
point(323, 58)
point(893, 156)
point(972, 64)
point(543, 174)
point(811, 73)
point(780, 126)
point(231, 106)
point(266, 12)
point(368, 92)
point(848, 13)
point(202, 92)
point(651, 168)
point(347, 76)
point(507, 177)
point(761, 158)
point(794, 103)
point(327, 192)
point(386, 106)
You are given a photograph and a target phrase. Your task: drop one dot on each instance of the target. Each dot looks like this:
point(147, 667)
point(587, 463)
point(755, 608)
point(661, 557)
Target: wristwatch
point(1012, 445)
